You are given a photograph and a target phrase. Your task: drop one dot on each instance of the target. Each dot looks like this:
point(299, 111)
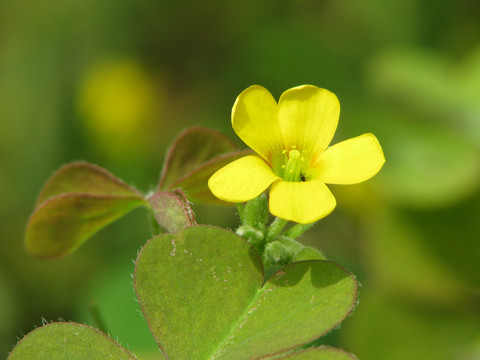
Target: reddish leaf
point(192, 148)
point(77, 201)
point(64, 222)
point(83, 177)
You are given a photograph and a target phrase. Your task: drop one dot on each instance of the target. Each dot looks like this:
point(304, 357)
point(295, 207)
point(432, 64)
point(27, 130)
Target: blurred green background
point(112, 82)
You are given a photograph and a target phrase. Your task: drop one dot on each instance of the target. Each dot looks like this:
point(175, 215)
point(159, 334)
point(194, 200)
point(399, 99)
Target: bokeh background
point(113, 82)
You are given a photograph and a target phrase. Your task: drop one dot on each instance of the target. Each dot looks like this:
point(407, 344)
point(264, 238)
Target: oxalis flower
point(291, 140)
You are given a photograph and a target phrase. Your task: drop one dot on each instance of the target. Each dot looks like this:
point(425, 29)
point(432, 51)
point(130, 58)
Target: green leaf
point(319, 353)
point(171, 211)
point(193, 285)
point(62, 223)
point(193, 157)
point(299, 303)
point(309, 253)
point(68, 341)
point(202, 295)
point(83, 177)
point(75, 203)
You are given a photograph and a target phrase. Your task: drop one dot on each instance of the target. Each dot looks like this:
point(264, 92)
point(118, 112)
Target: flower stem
point(275, 228)
point(240, 211)
point(297, 230)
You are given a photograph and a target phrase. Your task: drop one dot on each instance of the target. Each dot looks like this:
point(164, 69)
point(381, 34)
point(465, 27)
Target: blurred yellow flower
point(117, 102)
point(291, 139)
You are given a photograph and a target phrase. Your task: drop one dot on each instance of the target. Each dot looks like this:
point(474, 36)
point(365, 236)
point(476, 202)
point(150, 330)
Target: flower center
point(294, 166)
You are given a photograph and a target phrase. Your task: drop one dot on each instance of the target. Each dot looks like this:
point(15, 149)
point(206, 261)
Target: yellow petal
point(350, 161)
point(242, 180)
point(308, 118)
point(255, 120)
point(302, 202)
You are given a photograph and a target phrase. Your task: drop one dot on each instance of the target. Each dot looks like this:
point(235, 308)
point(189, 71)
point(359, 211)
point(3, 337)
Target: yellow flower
point(291, 139)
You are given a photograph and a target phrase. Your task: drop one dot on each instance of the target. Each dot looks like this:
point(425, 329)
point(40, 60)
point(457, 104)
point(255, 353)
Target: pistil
point(294, 165)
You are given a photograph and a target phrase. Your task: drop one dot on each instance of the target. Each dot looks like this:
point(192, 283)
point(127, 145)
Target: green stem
point(275, 228)
point(240, 211)
point(296, 230)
